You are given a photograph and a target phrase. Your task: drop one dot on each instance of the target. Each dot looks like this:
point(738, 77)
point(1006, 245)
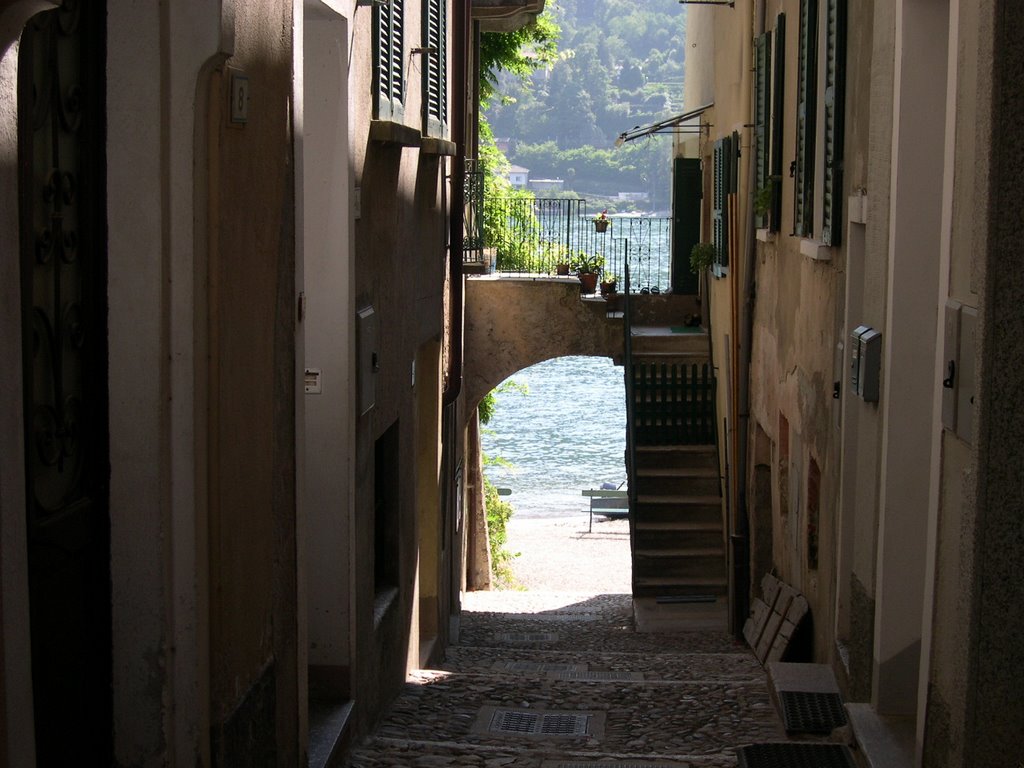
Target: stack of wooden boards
point(774, 619)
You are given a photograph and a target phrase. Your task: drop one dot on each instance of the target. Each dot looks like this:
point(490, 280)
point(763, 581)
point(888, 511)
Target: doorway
point(62, 224)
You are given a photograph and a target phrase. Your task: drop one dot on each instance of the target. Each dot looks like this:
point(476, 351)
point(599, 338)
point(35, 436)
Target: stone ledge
point(885, 742)
point(398, 134)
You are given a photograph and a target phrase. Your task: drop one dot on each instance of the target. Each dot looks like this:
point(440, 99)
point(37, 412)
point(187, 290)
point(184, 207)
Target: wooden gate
point(674, 403)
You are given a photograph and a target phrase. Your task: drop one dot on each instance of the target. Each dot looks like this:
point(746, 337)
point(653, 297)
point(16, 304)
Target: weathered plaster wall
point(400, 248)
point(796, 314)
point(996, 592)
point(943, 700)
point(512, 324)
point(253, 627)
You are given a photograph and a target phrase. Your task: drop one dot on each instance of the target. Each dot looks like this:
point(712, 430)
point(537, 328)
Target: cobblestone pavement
point(571, 662)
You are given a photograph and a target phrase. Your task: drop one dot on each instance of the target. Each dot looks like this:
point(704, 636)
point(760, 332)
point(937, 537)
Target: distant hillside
point(620, 65)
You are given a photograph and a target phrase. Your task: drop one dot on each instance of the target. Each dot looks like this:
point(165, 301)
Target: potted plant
point(608, 284)
point(702, 256)
point(562, 268)
point(601, 221)
point(587, 267)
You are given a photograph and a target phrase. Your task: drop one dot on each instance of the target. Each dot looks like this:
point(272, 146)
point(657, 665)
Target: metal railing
point(473, 213)
point(539, 234)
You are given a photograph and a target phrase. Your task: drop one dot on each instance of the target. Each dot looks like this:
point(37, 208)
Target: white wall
point(156, 285)
point(324, 211)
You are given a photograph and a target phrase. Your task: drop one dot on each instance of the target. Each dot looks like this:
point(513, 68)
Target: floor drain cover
point(804, 712)
point(794, 756)
point(534, 666)
point(539, 722)
point(527, 637)
point(610, 764)
point(597, 675)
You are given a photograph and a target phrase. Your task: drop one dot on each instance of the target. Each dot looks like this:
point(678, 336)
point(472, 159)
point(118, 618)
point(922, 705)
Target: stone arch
point(512, 324)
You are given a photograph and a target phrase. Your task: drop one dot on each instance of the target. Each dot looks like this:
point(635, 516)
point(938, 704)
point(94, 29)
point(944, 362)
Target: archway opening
point(558, 430)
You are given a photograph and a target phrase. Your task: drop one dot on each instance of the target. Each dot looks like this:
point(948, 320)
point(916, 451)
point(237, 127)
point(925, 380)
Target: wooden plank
point(754, 626)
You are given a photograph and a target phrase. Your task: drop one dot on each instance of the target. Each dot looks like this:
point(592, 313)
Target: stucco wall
point(253, 579)
point(400, 248)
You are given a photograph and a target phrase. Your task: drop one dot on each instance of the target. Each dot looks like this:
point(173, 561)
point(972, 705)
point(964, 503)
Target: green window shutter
point(762, 109)
point(835, 94)
point(719, 230)
point(778, 109)
point(435, 67)
point(388, 52)
point(806, 118)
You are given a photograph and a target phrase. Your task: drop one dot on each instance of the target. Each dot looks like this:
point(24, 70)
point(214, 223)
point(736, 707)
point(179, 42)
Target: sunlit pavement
point(574, 665)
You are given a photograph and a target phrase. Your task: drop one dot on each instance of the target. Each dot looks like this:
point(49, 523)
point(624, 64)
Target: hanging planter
point(601, 221)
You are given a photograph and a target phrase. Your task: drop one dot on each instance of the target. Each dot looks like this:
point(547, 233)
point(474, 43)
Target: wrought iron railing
point(533, 236)
point(473, 213)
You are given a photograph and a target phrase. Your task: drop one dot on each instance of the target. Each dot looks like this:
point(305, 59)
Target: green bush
point(498, 514)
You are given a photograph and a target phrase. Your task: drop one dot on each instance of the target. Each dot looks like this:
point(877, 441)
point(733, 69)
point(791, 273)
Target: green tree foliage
point(619, 65)
point(518, 53)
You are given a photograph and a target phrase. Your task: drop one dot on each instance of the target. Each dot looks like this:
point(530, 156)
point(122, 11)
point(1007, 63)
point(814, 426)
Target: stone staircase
point(678, 529)
point(678, 538)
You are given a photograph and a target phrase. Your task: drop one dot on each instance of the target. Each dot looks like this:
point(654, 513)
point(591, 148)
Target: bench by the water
point(608, 503)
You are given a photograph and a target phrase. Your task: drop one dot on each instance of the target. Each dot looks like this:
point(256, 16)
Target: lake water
point(568, 433)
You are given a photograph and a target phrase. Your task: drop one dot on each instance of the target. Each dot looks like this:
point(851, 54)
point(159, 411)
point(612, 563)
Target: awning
point(686, 123)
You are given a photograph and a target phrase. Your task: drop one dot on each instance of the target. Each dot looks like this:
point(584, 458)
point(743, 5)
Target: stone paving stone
point(701, 695)
point(668, 667)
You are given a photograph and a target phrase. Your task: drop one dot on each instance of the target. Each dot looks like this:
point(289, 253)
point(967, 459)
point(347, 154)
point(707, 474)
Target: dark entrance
point(62, 195)
point(687, 185)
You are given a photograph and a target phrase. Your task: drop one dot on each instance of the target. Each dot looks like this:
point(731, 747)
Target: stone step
point(657, 508)
point(677, 456)
point(695, 481)
point(648, 586)
point(657, 339)
point(675, 534)
point(678, 567)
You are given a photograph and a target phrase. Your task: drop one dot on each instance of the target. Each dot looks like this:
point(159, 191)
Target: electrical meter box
point(865, 362)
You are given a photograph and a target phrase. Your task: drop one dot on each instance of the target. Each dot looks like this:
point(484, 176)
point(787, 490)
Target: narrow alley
point(573, 667)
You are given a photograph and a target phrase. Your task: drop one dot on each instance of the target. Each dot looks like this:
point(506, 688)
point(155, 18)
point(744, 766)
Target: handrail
point(627, 365)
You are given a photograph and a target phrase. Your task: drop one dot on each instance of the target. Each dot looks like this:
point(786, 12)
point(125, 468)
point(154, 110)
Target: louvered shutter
point(806, 117)
point(389, 74)
point(778, 109)
point(762, 103)
point(718, 229)
point(435, 67)
point(835, 76)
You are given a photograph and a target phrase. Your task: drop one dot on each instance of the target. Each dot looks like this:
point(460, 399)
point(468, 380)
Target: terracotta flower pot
point(607, 288)
point(561, 269)
point(601, 225)
point(588, 282)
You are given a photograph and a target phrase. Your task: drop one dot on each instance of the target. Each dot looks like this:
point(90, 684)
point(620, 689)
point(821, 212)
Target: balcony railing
point(541, 233)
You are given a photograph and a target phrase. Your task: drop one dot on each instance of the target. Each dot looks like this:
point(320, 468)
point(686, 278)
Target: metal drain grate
point(794, 756)
point(805, 712)
point(534, 666)
point(539, 722)
point(527, 637)
point(598, 675)
point(610, 764)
